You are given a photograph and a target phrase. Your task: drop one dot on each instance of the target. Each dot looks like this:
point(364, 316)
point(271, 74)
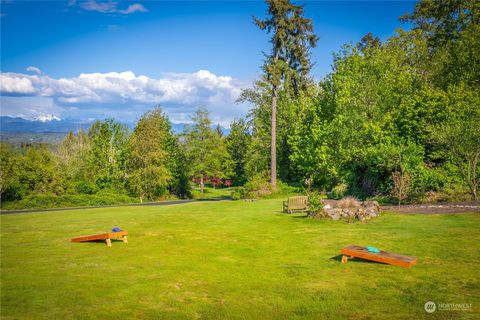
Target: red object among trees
point(215, 181)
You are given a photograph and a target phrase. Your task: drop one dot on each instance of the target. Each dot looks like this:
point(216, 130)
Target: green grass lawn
point(210, 192)
point(233, 260)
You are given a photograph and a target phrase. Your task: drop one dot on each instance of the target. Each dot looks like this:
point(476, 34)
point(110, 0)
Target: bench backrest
point(298, 202)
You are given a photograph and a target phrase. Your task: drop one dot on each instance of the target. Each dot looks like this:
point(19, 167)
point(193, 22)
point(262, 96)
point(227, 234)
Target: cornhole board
point(103, 236)
point(354, 251)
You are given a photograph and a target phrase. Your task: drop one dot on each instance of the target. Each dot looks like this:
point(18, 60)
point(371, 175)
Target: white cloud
point(111, 7)
point(34, 69)
point(133, 8)
point(11, 83)
point(128, 95)
point(104, 7)
point(30, 107)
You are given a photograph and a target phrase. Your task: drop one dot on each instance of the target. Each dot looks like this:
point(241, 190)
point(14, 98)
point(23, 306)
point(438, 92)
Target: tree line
point(393, 119)
point(148, 163)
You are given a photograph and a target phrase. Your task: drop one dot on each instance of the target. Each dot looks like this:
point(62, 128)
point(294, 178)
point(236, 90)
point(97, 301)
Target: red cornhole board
point(103, 236)
point(354, 251)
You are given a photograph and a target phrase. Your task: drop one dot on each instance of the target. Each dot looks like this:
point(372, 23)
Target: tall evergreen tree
point(288, 64)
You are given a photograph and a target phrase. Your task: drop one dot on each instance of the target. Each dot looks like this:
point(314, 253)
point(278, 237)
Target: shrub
point(315, 204)
point(237, 193)
point(79, 200)
point(257, 186)
point(338, 191)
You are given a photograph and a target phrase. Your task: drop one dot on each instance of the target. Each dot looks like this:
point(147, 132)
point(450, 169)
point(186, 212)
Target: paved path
point(162, 203)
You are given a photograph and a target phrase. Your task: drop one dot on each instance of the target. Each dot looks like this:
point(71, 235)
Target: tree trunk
point(273, 147)
point(201, 185)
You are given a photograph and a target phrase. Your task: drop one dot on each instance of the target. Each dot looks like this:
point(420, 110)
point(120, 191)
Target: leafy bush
point(237, 193)
point(64, 201)
point(84, 187)
point(315, 204)
point(338, 191)
point(257, 186)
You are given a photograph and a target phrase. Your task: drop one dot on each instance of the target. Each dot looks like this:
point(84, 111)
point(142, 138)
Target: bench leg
point(344, 259)
point(109, 242)
point(124, 239)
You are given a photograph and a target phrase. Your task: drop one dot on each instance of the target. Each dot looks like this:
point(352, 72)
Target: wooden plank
point(102, 236)
point(382, 256)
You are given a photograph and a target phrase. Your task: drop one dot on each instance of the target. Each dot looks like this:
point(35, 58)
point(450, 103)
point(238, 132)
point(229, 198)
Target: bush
point(237, 193)
point(257, 186)
point(338, 191)
point(64, 201)
point(315, 204)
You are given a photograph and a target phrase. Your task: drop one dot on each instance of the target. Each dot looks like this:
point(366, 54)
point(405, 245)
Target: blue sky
point(97, 59)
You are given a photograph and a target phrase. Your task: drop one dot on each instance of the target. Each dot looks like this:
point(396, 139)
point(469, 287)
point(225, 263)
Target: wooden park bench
point(298, 203)
point(382, 256)
point(103, 236)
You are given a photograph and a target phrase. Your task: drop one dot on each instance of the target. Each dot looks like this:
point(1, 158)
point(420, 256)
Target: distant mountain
point(49, 123)
point(41, 125)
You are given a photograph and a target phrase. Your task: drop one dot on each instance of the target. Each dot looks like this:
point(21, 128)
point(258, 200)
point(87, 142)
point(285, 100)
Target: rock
point(363, 211)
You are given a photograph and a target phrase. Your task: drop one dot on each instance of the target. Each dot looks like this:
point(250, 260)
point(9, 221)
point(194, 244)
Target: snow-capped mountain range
point(50, 123)
point(47, 118)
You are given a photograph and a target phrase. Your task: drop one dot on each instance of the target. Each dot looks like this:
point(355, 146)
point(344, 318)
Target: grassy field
point(233, 260)
point(210, 192)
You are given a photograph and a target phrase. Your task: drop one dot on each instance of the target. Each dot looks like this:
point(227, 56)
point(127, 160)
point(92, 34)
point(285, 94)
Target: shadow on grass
point(100, 241)
point(300, 217)
point(293, 215)
point(338, 258)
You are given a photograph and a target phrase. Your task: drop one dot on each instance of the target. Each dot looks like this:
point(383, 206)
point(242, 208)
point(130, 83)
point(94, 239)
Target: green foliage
point(257, 186)
point(292, 38)
point(106, 160)
point(459, 135)
point(451, 29)
point(151, 155)
point(338, 192)
point(42, 201)
point(315, 204)
point(205, 150)
point(237, 193)
point(237, 143)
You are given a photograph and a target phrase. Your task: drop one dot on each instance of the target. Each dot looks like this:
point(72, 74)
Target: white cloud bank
point(125, 94)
